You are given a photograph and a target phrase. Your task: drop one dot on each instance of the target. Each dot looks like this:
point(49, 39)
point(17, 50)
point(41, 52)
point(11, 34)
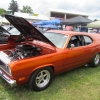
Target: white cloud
point(39, 6)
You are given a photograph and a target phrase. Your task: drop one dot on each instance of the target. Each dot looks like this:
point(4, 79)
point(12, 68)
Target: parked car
point(4, 34)
point(41, 56)
point(8, 27)
point(6, 31)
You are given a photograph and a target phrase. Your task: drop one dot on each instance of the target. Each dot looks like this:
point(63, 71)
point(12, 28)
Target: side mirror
point(72, 46)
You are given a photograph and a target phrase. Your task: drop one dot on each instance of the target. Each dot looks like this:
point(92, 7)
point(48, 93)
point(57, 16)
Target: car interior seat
point(76, 42)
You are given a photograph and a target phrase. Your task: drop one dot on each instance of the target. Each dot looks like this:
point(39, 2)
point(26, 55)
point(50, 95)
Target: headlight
point(9, 70)
point(4, 61)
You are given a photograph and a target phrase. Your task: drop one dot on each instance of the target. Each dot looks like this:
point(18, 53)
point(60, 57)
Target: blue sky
point(91, 7)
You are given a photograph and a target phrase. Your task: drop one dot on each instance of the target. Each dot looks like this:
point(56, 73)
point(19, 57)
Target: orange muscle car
point(42, 55)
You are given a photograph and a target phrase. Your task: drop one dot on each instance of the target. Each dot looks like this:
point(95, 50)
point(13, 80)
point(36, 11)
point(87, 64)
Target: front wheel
point(41, 79)
point(95, 62)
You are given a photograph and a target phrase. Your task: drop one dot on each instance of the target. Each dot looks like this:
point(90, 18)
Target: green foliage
point(27, 9)
point(13, 6)
point(79, 84)
point(2, 11)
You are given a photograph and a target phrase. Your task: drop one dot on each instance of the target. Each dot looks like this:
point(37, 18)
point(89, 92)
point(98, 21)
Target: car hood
point(28, 30)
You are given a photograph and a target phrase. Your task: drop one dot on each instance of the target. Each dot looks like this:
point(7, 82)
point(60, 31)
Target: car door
point(76, 56)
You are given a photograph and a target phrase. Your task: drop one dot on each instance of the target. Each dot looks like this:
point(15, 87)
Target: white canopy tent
point(95, 24)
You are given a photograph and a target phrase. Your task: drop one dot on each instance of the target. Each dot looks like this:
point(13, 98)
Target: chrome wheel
point(43, 78)
point(96, 59)
point(95, 62)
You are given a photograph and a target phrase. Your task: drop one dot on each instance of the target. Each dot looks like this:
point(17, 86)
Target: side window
point(88, 40)
point(75, 40)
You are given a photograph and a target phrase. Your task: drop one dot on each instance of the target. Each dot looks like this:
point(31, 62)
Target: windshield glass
point(14, 31)
point(57, 39)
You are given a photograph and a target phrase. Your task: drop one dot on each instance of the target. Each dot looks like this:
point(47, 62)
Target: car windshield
point(14, 31)
point(57, 39)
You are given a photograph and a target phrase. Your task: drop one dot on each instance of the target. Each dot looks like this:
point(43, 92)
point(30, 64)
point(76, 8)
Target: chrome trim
point(11, 82)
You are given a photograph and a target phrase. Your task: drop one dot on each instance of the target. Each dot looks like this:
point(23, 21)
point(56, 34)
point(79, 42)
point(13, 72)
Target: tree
point(95, 20)
point(2, 11)
point(13, 6)
point(27, 9)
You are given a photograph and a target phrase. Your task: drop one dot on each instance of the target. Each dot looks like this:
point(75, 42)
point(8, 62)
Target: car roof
point(67, 32)
point(70, 33)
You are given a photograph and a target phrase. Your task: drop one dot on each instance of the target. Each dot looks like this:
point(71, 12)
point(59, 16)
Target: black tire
point(41, 79)
point(95, 62)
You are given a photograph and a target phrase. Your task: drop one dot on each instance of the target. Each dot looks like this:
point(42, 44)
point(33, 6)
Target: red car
point(43, 55)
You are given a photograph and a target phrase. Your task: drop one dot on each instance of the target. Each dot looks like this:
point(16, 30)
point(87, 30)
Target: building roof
point(66, 11)
point(31, 16)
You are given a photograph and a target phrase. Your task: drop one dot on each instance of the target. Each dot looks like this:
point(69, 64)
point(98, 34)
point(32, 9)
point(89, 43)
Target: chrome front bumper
point(11, 82)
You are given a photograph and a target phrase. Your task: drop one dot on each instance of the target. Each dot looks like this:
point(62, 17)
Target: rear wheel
point(41, 79)
point(95, 62)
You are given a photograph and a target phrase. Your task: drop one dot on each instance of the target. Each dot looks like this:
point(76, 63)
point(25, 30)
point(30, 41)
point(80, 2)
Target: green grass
point(79, 84)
